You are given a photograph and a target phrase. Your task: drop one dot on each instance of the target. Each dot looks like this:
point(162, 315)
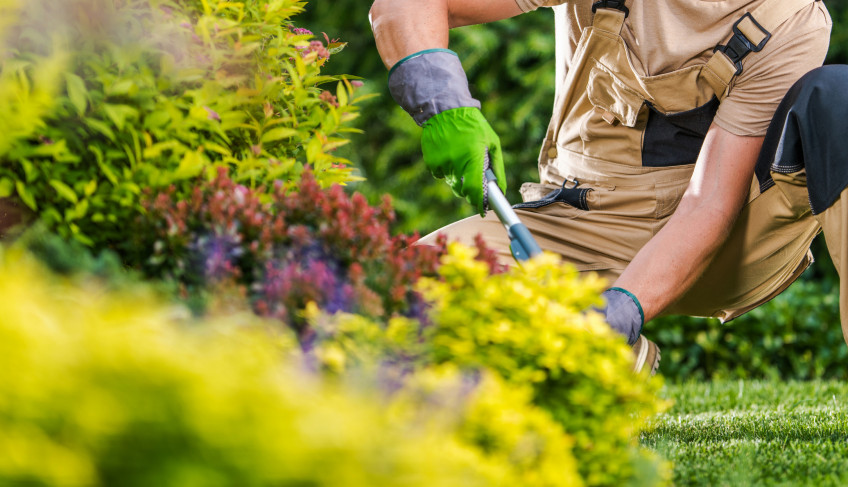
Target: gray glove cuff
point(623, 313)
point(430, 82)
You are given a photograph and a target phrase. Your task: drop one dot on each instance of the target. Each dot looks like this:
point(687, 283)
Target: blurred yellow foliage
point(98, 388)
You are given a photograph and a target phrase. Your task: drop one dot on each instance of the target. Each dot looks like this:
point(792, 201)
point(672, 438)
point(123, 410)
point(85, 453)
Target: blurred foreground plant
point(504, 382)
point(103, 389)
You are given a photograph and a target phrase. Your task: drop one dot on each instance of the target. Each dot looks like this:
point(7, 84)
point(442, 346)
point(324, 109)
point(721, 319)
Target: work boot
point(647, 355)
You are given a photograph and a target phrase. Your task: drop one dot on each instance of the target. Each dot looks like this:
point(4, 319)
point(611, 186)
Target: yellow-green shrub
point(496, 419)
point(100, 99)
point(100, 389)
point(528, 327)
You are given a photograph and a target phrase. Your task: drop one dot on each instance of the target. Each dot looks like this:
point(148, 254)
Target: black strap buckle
point(740, 46)
point(616, 4)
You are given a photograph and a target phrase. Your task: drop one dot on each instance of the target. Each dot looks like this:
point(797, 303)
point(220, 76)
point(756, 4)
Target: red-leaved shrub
point(309, 245)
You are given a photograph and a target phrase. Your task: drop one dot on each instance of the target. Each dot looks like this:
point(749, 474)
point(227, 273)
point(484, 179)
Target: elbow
point(717, 209)
point(378, 12)
point(714, 219)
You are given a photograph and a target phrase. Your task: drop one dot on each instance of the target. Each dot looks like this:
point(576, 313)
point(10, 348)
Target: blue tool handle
point(522, 243)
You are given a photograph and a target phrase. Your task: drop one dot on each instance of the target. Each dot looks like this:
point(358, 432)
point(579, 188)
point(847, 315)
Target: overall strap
point(609, 15)
point(750, 34)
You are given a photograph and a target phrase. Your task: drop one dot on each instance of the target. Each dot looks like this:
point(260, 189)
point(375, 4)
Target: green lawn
point(755, 433)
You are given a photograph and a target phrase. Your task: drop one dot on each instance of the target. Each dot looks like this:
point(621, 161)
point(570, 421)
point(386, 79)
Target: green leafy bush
point(124, 95)
point(528, 327)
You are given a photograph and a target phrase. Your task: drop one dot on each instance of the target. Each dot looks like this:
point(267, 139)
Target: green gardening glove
point(455, 143)
point(432, 87)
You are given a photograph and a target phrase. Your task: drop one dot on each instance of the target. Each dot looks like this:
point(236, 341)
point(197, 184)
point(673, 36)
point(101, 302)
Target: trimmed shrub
point(529, 327)
point(125, 95)
point(499, 420)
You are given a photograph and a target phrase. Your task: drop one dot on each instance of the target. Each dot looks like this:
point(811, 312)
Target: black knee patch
point(810, 130)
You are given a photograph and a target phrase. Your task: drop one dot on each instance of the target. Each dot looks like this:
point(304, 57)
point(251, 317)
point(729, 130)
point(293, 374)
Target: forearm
point(404, 27)
point(672, 261)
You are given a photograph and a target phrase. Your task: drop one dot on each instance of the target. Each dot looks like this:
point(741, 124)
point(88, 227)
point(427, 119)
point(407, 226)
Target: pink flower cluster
point(317, 47)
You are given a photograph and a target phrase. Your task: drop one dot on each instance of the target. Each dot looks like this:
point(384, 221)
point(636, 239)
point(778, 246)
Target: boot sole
point(649, 353)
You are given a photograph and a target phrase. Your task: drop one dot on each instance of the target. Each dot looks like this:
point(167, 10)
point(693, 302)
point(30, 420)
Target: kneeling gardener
point(695, 150)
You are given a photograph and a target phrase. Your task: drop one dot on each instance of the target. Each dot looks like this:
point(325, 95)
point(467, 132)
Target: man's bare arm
point(404, 27)
point(673, 260)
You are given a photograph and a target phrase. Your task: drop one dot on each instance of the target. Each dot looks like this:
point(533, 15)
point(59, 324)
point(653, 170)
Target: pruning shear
point(521, 241)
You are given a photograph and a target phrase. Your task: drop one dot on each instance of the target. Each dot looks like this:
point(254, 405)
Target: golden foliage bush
point(115, 388)
point(529, 327)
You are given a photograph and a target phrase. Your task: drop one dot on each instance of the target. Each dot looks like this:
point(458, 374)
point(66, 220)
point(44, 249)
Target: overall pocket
point(611, 129)
point(675, 139)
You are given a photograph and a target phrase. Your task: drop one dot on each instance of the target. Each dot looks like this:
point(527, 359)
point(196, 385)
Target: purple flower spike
point(213, 115)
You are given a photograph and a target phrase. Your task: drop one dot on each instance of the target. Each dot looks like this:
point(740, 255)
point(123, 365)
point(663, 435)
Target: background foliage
point(798, 335)
point(795, 336)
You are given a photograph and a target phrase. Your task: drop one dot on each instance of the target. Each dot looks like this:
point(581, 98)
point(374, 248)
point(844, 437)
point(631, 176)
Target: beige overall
point(598, 202)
